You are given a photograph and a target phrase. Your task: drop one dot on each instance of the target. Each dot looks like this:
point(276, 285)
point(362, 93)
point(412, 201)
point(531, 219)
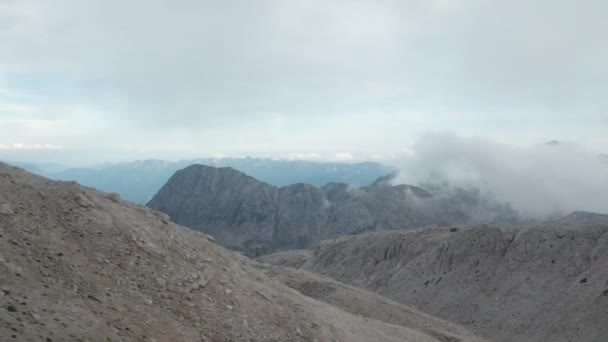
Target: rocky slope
point(509, 283)
point(367, 304)
point(80, 265)
point(245, 214)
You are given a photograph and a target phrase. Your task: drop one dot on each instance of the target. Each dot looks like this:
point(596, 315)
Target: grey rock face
point(245, 214)
point(238, 210)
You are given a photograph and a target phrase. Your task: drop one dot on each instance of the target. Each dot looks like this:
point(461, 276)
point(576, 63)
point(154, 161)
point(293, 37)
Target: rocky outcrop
point(245, 214)
point(80, 265)
point(509, 283)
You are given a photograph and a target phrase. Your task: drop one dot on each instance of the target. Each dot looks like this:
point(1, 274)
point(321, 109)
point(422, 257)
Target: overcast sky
point(108, 79)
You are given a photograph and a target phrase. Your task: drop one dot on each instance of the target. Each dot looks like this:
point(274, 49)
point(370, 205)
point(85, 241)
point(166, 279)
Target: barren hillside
point(367, 304)
point(525, 283)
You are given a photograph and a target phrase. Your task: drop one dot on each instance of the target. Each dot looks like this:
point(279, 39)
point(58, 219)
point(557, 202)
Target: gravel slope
point(367, 304)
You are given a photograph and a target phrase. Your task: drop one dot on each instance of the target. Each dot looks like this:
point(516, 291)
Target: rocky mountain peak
point(245, 214)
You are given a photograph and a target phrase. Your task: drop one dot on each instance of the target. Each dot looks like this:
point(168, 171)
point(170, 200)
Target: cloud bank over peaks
point(547, 180)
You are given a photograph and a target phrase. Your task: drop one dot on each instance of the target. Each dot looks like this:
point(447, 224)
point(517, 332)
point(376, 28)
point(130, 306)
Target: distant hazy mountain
point(138, 181)
point(39, 168)
point(246, 214)
point(579, 217)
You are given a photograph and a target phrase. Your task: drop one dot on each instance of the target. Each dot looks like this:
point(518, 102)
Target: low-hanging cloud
point(540, 182)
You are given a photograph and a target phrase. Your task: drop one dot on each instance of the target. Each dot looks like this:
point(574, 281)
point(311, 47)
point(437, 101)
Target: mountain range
point(82, 265)
point(79, 264)
point(257, 218)
point(138, 181)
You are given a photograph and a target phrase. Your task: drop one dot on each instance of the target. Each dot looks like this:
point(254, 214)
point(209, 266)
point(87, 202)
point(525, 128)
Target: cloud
point(209, 53)
point(311, 156)
point(194, 69)
point(21, 146)
point(304, 156)
point(342, 156)
point(540, 181)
